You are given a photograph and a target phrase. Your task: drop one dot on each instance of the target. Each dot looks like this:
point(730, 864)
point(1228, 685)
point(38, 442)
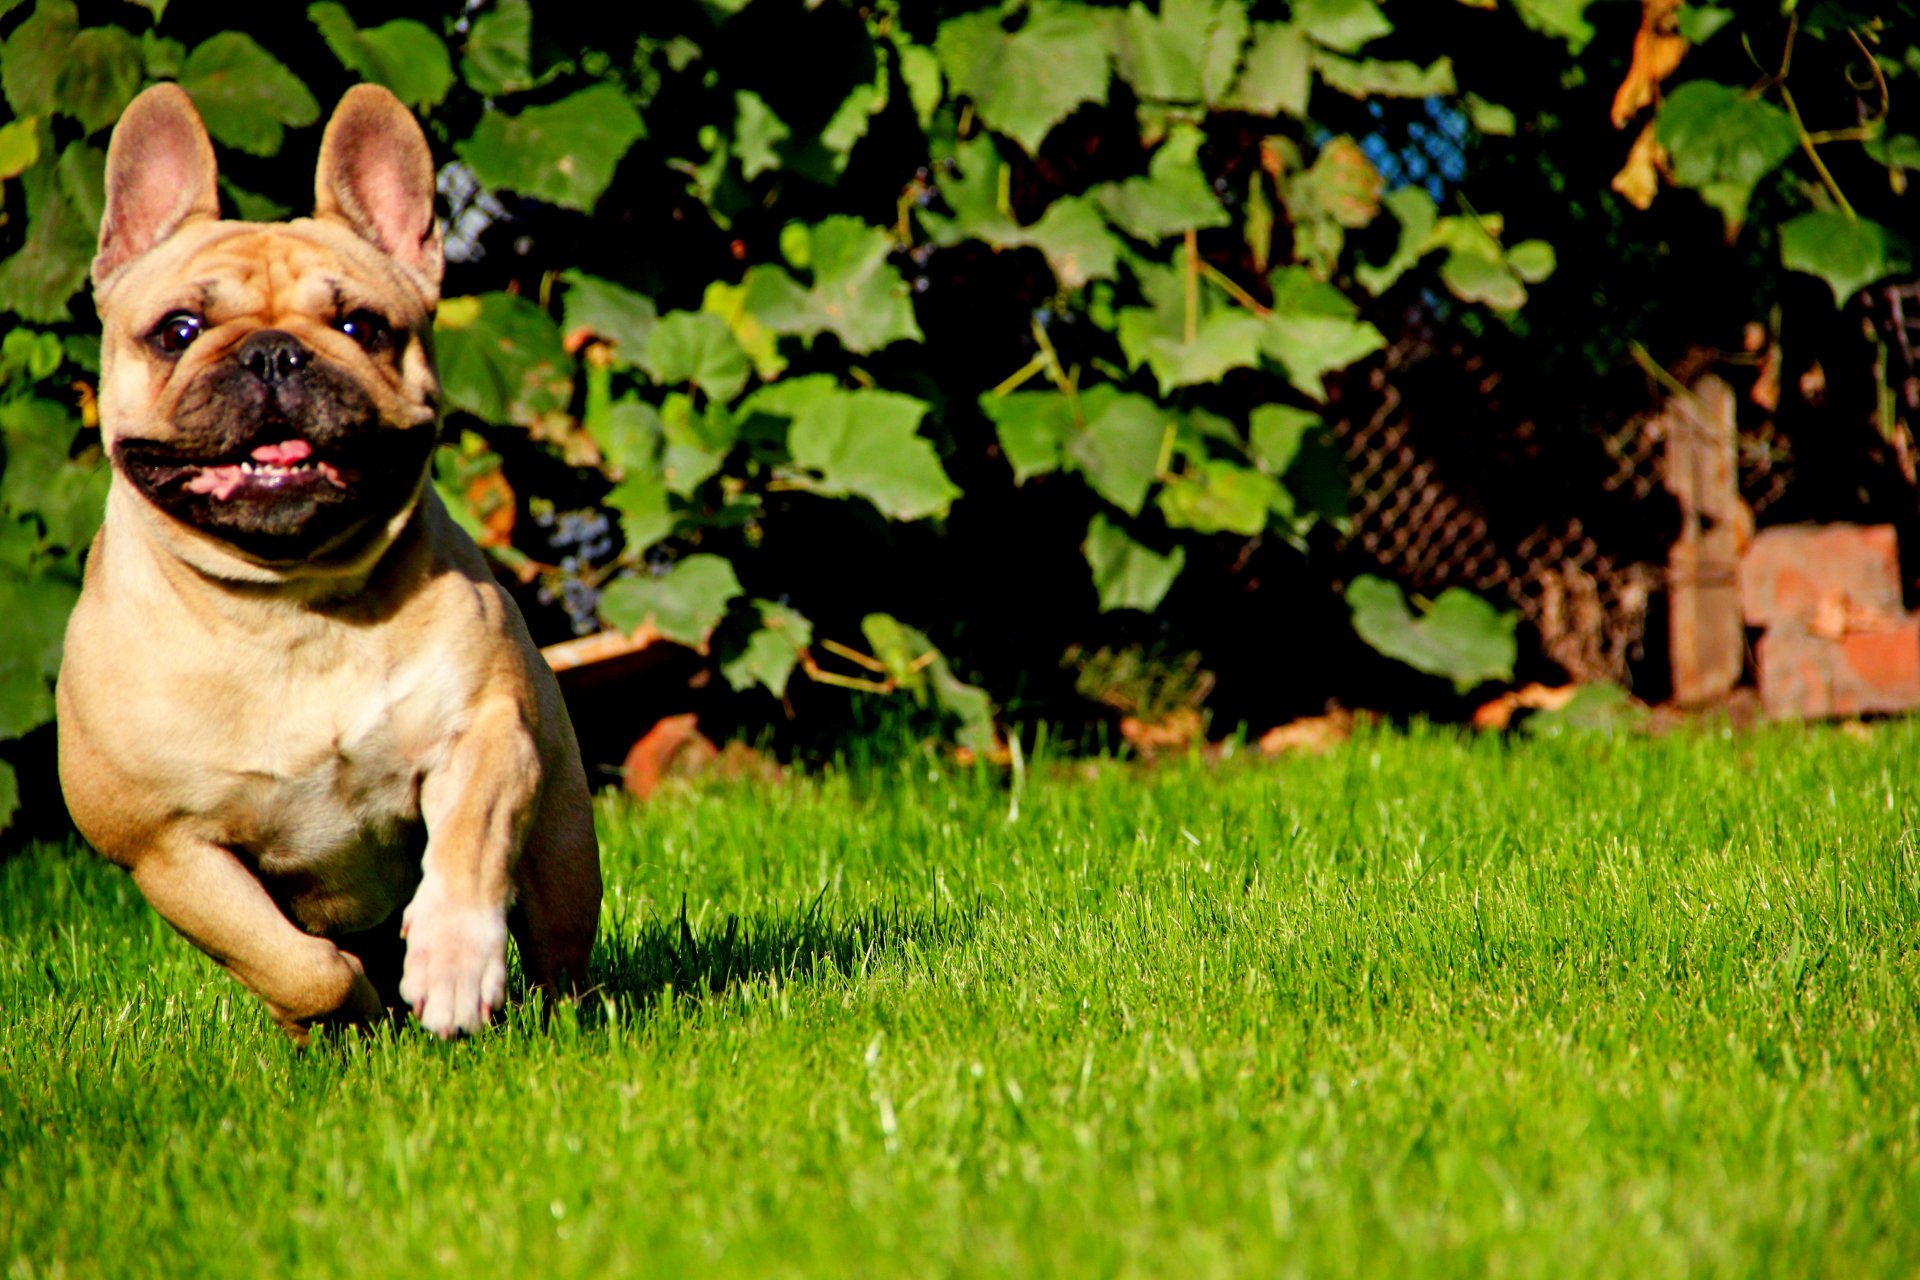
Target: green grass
point(1583, 1007)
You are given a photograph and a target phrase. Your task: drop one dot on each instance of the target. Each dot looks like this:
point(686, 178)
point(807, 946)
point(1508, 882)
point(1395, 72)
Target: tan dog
point(294, 701)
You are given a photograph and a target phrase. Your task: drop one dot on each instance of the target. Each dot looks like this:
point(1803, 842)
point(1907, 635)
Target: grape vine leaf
point(1126, 574)
point(921, 670)
point(246, 97)
point(1277, 73)
point(856, 294)
point(617, 316)
point(1070, 234)
point(696, 347)
point(867, 443)
point(1033, 427)
point(1343, 25)
point(1313, 330)
point(772, 651)
point(564, 153)
point(1185, 53)
point(1022, 83)
point(1722, 142)
point(98, 76)
point(404, 55)
point(1171, 197)
point(34, 55)
point(501, 358)
point(1219, 497)
point(497, 58)
point(1119, 450)
point(1847, 253)
point(1461, 637)
point(684, 604)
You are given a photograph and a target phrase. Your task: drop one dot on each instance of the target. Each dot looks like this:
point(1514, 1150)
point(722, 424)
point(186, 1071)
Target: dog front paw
point(456, 967)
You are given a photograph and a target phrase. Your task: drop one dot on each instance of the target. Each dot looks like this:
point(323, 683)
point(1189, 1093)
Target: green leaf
point(696, 347)
point(564, 154)
point(1473, 277)
point(1024, 83)
point(1076, 243)
point(729, 302)
point(1219, 497)
point(684, 604)
point(697, 443)
point(1722, 142)
point(1462, 637)
point(1275, 434)
point(1344, 25)
point(772, 651)
point(19, 147)
point(38, 279)
point(9, 795)
point(1223, 340)
point(33, 57)
point(1564, 19)
point(1276, 76)
point(246, 96)
point(1119, 450)
point(1033, 427)
point(99, 76)
point(1314, 330)
point(617, 316)
point(35, 605)
point(1185, 53)
point(1173, 195)
point(920, 72)
point(1126, 574)
point(921, 670)
point(41, 481)
point(1371, 79)
point(1490, 118)
point(757, 134)
point(502, 359)
point(866, 443)
point(251, 206)
point(404, 55)
point(629, 435)
point(162, 57)
point(497, 58)
point(1532, 260)
point(1414, 210)
point(645, 517)
point(1847, 253)
point(856, 294)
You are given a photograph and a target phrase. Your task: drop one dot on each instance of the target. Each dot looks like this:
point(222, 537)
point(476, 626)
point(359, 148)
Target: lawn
point(1422, 1006)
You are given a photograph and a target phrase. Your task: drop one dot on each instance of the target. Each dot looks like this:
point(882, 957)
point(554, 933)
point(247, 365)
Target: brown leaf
point(1310, 734)
point(1498, 714)
point(490, 498)
point(674, 747)
point(1639, 179)
point(1658, 47)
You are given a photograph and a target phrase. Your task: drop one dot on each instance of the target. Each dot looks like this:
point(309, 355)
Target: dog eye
point(177, 332)
point(364, 327)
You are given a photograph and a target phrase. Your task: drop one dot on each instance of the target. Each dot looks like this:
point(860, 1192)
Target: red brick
point(1827, 578)
point(1807, 676)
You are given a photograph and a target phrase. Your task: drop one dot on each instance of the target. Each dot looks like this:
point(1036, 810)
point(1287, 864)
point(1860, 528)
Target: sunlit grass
point(1423, 1006)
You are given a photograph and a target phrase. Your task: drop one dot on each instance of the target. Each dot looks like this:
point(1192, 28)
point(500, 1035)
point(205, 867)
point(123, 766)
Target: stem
point(1193, 285)
point(1234, 291)
point(1019, 377)
point(1813, 154)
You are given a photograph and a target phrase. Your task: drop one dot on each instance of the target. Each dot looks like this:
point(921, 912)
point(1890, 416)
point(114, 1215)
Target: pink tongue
point(218, 481)
point(280, 455)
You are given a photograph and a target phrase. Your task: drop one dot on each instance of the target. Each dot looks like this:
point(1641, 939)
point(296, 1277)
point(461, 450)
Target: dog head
point(267, 389)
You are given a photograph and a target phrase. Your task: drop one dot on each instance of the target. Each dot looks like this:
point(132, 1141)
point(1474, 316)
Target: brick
point(1827, 578)
point(1804, 676)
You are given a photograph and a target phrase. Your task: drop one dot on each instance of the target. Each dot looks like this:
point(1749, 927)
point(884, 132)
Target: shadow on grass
point(634, 965)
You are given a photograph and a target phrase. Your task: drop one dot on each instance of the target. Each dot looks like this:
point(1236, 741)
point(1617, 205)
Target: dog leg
point(557, 892)
point(477, 805)
point(203, 891)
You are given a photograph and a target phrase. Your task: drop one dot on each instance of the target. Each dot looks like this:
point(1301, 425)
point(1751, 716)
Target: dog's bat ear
point(160, 174)
point(376, 176)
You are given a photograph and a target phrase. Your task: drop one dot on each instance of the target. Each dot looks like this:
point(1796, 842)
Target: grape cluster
point(584, 540)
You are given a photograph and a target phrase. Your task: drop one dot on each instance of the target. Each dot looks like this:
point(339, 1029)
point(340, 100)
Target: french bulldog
point(294, 703)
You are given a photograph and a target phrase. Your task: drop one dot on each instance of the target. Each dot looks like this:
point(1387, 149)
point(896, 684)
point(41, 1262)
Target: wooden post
point(1706, 640)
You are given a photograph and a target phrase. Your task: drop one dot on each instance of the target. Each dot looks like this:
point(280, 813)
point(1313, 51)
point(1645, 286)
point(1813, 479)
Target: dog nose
point(273, 355)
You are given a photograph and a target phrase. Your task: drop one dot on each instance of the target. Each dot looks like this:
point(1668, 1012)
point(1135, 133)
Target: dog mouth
point(288, 467)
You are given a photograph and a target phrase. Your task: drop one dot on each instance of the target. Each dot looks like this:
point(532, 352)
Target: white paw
point(456, 969)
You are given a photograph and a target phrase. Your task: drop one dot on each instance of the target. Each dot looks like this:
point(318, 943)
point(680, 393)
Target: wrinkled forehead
point(298, 268)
